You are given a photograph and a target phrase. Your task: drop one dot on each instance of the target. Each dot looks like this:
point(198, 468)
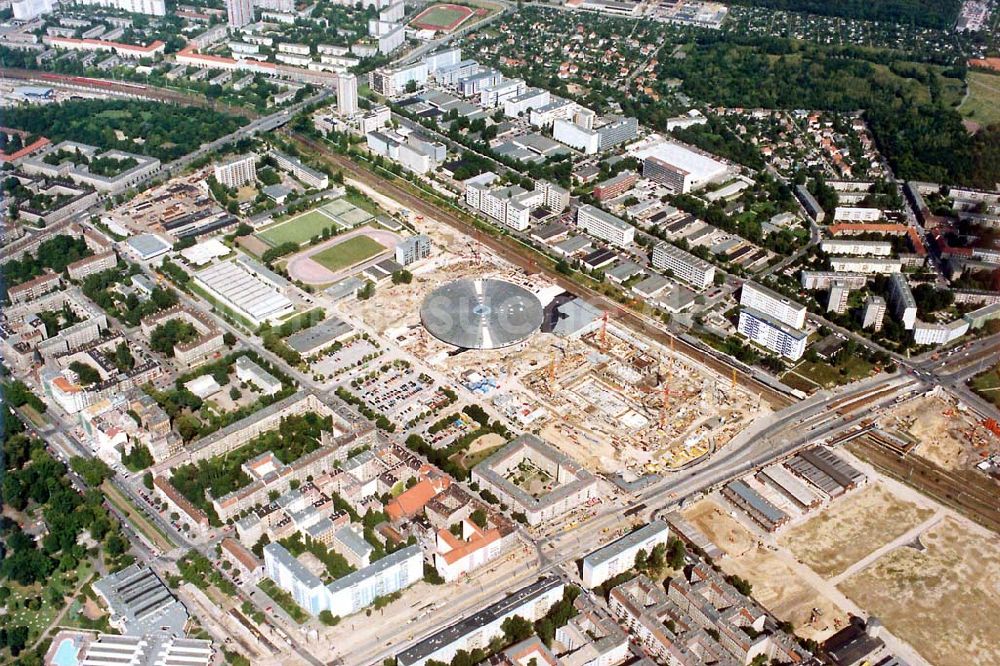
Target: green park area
point(982, 105)
point(299, 229)
point(348, 253)
point(987, 385)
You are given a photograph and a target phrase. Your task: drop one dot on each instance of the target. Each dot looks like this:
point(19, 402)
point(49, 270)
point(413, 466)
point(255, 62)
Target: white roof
point(205, 251)
point(203, 386)
point(246, 291)
point(699, 166)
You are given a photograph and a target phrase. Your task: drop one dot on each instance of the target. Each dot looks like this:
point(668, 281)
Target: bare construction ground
point(942, 596)
point(776, 585)
point(947, 437)
point(851, 528)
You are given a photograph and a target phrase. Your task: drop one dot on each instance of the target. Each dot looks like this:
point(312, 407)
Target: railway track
point(522, 257)
point(127, 88)
point(971, 494)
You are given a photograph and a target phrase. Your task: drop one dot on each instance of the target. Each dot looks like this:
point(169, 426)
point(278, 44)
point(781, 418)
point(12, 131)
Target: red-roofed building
point(412, 501)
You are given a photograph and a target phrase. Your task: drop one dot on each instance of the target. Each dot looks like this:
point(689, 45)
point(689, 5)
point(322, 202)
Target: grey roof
point(344, 288)
point(302, 574)
point(141, 603)
point(573, 316)
point(147, 244)
point(619, 546)
point(623, 270)
point(481, 313)
point(582, 477)
point(374, 569)
point(354, 542)
point(770, 512)
point(505, 607)
point(651, 285)
point(573, 244)
point(319, 335)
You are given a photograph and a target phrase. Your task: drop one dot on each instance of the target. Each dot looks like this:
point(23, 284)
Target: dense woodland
point(165, 131)
point(928, 13)
point(906, 104)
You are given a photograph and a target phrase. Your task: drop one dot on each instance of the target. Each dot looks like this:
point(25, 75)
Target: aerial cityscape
point(535, 333)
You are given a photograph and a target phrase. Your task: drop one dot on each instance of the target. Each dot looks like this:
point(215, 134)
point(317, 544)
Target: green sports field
point(298, 229)
point(348, 253)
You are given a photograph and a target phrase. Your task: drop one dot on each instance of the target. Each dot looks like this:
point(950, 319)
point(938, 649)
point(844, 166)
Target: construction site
point(614, 400)
point(938, 428)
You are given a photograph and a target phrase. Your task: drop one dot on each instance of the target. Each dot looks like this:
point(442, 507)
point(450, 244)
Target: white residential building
point(351, 593)
point(511, 205)
point(683, 265)
point(347, 94)
point(605, 226)
point(436, 61)
point(773, 304)
point(493, 96)
point(857, 247)
point(239, 12)
point(939, 334)
point(531, 98)
point(865, 265)
point(148, 7)
point(26, 10)
point(772, 334)
point(847, 214)
point(619, 556)
point(237, 172)
point(874, 313)
point(904, 306)
point(587, 141)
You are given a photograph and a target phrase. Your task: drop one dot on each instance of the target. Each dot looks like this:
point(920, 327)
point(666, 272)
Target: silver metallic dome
point(481, 313)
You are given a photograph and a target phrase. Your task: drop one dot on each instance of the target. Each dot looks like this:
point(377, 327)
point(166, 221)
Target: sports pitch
point(299, 229)
point(441, 17)
point(348, 253)
point(336, 215)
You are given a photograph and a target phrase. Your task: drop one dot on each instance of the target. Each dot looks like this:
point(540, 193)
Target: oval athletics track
point(302, 267)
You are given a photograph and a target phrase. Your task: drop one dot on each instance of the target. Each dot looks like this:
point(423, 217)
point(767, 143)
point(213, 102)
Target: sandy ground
point(776, 585)
point(943, 432)
point(944, 600)
point(487, 441)
point(852, 527)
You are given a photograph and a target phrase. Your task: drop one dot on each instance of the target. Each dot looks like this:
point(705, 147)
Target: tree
point(479, 518)
point(516, 629)
point(93, 471)
point(229, 339)
point(328, 618)
point(641, 559)
point(86, 373)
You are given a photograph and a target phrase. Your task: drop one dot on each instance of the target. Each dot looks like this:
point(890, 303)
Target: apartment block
point(619, 556)
point(904, 306)
point(772, 334)
point(605, 226)
point(683, 265)
point(773, 304)
point(874, 313)
point(237, 172)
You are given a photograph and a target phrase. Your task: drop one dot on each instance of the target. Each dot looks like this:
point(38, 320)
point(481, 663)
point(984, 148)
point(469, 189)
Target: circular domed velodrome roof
point(481, 313)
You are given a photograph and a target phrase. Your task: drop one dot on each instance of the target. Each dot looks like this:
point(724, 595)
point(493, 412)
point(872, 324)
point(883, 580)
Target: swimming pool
point(66, 653)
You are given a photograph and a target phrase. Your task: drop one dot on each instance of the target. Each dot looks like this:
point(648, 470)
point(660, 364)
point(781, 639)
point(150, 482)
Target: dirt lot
point(944, 601)
point(775, 584)
point(942, 431)
point(851, 528)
